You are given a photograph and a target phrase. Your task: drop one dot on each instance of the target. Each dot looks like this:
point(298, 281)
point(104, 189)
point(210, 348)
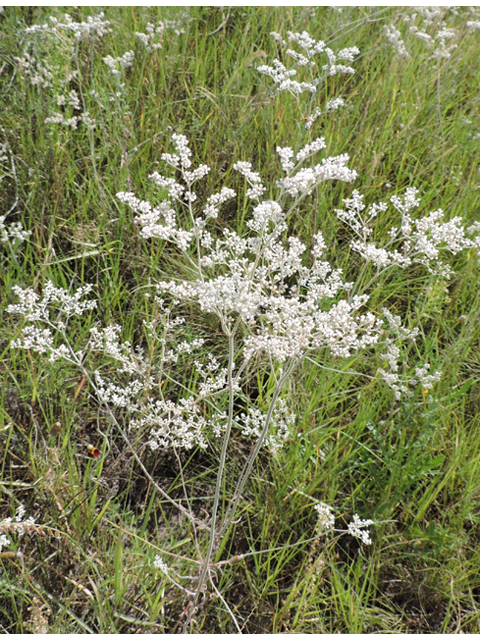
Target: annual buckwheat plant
point(50, 64)
point(277, 301)
point(251, 306)
point(305, 61)
point(433, 27)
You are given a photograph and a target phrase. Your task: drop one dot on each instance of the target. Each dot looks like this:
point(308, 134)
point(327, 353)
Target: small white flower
point(357, 529)
point(326, 519)
point(159, 564)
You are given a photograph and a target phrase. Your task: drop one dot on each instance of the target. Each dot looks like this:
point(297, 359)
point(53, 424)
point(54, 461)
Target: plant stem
point(248, 467)
point(221, 469)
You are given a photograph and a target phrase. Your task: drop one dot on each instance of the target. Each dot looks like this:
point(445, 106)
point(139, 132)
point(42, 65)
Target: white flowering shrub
point(276, 298)
point(439, 29)
point(308, 63)
point(49, 63)
point(277, 301)
point(153, 38)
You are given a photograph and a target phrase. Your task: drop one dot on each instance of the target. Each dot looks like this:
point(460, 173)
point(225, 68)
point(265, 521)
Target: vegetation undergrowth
point(239, 397)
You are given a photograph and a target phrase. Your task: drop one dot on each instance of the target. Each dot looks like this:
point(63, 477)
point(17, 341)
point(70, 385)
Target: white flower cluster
point(426, 380)
point(438, 42)
point(71, 99)
point(333, 168)
point(430, 25)
point(357, 528)
point(35, 308)
point(160, 221)
point(332, 105)
point(214, 378)
point(256, 187)
point(305, 180)
point(332, 68)
point(394, 37)
point(154, 36)
point(282, 320)
point(173, 424)
point(392, 356)
point(170, 424)
point(72, 121)
point(157, 222)
point(214, 201)
point(41, 68)
point(4, 541)
point(4, 148)
point(326, 519)
point(107, 341)
point(17, 525)
point(265, 215)
point(124, 396)
point(159, 564)
point(93, 26)
point(12, 232)
point(118, 65)
point(172, 355)
point(283, 78)
point(54, 308)
point(281, 423)
point(292, 327)
point(415, 241)
point(39, 73)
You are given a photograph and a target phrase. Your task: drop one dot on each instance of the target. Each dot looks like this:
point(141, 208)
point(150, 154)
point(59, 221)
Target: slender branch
point(256, 450)
point(221, 469)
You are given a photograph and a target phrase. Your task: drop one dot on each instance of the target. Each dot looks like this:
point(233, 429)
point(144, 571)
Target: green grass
point(411, 466)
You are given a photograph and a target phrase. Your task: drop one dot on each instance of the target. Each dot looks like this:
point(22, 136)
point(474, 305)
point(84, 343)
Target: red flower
point(92, 452)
